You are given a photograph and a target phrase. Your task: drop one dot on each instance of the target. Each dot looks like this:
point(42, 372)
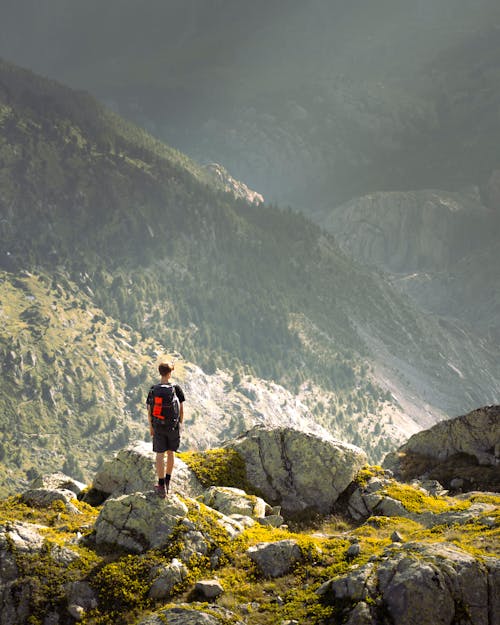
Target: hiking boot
point(160, 490)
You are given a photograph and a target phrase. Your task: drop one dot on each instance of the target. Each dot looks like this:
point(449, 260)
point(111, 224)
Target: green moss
point(416, 501)
point(366, 473)
point(218, 467)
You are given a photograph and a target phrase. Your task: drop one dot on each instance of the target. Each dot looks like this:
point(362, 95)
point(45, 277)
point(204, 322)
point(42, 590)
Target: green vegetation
point(415, 500)
point(218, 467)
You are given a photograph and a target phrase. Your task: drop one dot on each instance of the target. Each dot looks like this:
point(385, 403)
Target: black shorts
point(166, 440)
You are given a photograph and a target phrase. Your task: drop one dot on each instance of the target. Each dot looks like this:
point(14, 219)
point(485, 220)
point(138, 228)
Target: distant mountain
point(153, 251)
point(439, 247)
point(311, 105)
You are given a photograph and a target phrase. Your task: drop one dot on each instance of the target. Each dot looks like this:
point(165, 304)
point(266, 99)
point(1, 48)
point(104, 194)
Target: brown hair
point(164, 368)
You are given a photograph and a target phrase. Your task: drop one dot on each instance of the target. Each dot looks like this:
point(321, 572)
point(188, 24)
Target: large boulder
point(139, 521)
point(132, 470)
point(465, 448)
point(45, 497)
point(298, 470)
point(420, 584)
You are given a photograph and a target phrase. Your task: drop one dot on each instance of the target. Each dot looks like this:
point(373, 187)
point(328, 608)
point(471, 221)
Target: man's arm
point(151, 430)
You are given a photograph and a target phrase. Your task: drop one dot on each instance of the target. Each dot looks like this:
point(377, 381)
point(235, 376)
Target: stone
point(360, 615)
point(396, 537)
point(232, 501)
point(476, 434)
point(275, 559)
point(58, 481)
point(353, 551)
point(209, 588)
point(191, 614)
point(139, 521)
point(165, 578)
point(272, 520)
point(133, 470)
point(45, 497)
point(81, 598)
point(284, 464)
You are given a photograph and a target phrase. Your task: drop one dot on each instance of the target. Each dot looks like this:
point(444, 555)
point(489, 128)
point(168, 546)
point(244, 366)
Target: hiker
point(165, 415)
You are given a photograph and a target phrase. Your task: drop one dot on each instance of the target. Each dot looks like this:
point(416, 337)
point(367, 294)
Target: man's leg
point(170, 468)
point(160, 465)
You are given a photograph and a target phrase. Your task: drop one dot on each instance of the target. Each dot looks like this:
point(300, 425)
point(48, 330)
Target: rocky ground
point(277, 526)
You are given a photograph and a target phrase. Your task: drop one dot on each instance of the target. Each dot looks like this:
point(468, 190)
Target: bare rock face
point(132, 470)
point(230, 184)
point(472, 439)
point(405, 231)
point(420, 584)
point(298, 470)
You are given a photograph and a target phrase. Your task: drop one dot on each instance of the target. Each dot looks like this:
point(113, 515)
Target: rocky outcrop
point(472, 439)
point(417, 583)
point(383, 496)
point(284, 465)
point(132, 470)
point(239, 189)
point(408, 231)
point(275, 559)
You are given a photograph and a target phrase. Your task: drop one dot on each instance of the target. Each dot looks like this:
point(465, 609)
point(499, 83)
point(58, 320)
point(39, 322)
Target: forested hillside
point(152, 243)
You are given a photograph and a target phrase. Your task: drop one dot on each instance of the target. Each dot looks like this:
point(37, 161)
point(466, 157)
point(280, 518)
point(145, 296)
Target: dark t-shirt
point(178, 391)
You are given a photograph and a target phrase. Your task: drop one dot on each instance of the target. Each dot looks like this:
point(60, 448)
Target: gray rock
point(272, 520)
point(133, 470)
point(192, 614)
point(209, 588)
point(275, 559)
point(232, 501)
point(139, 521)
point(81, 598)
point(284, 465)
point(421, 584)
point(457, 483)
point(476, 433)
point(44, 498)
point(353, 551)
point(58, 481)
point(194, 544)
point(360, 615)
point(164, 578)
point(396, 537)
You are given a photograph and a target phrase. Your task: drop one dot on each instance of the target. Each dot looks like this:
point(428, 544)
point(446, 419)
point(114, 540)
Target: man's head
point(165, 368)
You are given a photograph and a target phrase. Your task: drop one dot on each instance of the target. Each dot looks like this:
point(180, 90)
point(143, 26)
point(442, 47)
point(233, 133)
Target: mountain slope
point(155, 244)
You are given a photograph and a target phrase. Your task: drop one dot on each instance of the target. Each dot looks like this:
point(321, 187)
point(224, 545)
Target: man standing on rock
point(165, 414)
